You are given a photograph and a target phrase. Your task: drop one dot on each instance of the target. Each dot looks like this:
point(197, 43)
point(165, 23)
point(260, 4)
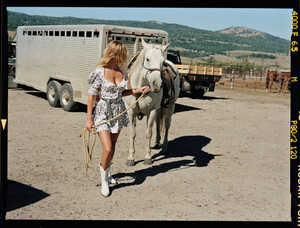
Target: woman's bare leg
point(109, 145)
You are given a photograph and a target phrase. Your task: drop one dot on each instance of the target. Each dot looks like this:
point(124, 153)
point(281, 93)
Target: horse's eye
point(147, 60)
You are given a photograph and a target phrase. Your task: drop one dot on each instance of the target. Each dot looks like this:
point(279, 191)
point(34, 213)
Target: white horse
point(146, 70)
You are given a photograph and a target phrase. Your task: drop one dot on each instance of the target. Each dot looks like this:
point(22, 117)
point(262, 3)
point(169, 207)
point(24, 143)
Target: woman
point(110, 80)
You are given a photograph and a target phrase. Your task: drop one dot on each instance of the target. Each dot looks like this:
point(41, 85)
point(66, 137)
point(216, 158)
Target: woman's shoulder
point(99, 70)
point(97, 73)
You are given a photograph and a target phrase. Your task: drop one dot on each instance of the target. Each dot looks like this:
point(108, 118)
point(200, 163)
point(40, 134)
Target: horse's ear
point(164, 48)
point(144, 43)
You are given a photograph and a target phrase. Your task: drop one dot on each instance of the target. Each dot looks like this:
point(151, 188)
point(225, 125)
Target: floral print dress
point(110, 103)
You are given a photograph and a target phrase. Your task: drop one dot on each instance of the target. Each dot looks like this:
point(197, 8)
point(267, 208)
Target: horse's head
point(152, 64)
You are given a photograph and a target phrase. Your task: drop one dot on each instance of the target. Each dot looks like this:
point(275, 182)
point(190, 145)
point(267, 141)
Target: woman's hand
point(89, 124)
point(145, 89)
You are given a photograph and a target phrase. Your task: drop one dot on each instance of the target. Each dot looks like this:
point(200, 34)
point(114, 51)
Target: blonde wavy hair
point(115, 51)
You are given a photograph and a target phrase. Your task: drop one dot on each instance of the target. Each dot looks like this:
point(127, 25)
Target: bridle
point(150, 70)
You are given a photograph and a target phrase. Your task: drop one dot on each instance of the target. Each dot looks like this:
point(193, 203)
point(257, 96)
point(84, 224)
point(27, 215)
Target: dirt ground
point(253, 84)
point(228, 161)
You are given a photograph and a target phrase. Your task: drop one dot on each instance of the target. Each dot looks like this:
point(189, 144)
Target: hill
point(200, 42)
point(243, 32)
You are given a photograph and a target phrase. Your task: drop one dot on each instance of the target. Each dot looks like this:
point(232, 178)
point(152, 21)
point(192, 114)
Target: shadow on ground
point(205, 97)
point(188, 148)
point(20, 195)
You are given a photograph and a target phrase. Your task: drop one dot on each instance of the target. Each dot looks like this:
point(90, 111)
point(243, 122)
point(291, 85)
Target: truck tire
point(197, 93)
point(53, 93)
point(66, 97)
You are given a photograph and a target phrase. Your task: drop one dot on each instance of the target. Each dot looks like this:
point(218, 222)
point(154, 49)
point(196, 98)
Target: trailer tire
point(197, 93)
point(53, 93)
point(66, 97)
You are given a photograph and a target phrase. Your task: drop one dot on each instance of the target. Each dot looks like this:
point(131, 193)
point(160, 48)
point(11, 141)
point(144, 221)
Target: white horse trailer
point(57, 59)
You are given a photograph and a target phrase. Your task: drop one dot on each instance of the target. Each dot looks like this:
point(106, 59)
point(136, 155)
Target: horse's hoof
point(140, 116)
point(148, 161)
point(130, 162)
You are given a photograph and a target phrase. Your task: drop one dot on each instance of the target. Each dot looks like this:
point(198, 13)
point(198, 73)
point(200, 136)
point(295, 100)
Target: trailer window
point(88, 34)
point(34, 33)
point(40, 33)
point(149, 41)
point(159, 41)
point(45, 33)
point(81, 34)
point(50, 33)
point(62, 33)
point(29, 33)
point(74, 33)
point(68, 33)
point(96, 34)
point(56, 33)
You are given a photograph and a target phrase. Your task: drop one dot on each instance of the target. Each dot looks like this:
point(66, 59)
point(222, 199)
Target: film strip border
point(4, 114)
point(3, 108)
point(295, 118)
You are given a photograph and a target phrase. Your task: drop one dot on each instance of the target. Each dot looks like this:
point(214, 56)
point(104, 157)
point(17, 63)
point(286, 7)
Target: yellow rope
point(86, 143)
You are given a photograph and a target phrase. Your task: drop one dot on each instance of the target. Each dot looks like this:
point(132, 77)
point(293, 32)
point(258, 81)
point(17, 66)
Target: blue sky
point(276, 22)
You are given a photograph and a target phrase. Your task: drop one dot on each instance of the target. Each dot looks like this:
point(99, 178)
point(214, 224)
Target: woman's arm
point(89, 119)
point(128, 92)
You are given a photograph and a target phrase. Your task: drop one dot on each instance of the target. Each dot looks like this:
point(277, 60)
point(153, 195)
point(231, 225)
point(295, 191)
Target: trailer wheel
point(53, 93)
point(197, 93)
point(66, 97)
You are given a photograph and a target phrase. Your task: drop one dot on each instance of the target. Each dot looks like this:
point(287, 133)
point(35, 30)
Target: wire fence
point(253, 80)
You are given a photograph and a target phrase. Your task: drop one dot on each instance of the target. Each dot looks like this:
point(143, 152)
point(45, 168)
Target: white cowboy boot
point(110, 179)
point(104, 183)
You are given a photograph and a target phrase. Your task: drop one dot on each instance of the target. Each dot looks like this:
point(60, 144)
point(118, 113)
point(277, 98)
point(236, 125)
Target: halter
point(150, 70)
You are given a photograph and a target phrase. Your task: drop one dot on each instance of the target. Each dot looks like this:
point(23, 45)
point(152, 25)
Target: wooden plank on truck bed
point(184, 69)
point(209, 70)
point(218, 71)
point(200, 70)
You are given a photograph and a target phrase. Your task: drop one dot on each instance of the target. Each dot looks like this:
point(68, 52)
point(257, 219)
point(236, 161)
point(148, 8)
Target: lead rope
point(86, 143)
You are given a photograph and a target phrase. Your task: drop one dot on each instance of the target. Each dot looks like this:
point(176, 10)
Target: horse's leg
point(267, 83)
point(150, 121)
point(167, 123)
point(132, 120)
point(270, 84)
point(280, 84)
point(283, 85)
point(158, 137)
